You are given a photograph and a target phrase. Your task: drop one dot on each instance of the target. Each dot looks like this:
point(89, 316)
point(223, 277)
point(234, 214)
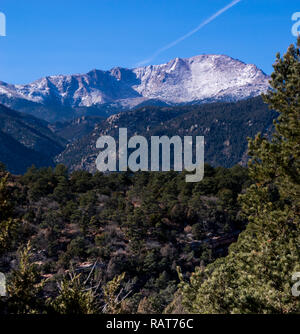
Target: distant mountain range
point(59, 118)
point(196, 80)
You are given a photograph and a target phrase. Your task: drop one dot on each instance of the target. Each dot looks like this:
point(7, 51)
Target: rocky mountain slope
point(76, 128)
point(225, 127)
point(200, 79)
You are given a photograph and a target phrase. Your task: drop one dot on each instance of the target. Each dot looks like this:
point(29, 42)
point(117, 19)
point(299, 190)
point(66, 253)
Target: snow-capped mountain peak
point(203, 78)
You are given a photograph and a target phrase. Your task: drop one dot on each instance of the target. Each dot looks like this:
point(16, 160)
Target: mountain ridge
point(199, 79)
point(26, 140)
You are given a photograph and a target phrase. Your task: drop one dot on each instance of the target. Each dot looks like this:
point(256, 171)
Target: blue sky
point(75, 36)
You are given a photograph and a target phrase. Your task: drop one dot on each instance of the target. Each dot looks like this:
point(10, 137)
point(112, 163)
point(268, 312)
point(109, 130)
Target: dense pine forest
point(143, 225)
point(150, 242)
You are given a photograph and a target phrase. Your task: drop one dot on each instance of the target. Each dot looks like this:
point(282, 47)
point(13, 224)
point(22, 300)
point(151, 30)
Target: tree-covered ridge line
point(225, 127)
point(26, 140)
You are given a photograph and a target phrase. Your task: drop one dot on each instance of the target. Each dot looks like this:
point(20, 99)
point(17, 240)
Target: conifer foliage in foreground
point(256, 276)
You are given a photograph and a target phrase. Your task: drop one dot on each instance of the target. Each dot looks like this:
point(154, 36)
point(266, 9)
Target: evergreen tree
point(113, 303)
point(7, 222)
point(73, 298)
point(256, 276)
point(25, 286)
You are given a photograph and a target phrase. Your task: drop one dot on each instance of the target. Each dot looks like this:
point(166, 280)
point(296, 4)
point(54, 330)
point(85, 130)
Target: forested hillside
point(26, 140)
point(144, 225)
point(225, 127)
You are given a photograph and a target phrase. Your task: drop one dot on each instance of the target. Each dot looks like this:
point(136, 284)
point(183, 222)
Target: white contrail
point(203, 24)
